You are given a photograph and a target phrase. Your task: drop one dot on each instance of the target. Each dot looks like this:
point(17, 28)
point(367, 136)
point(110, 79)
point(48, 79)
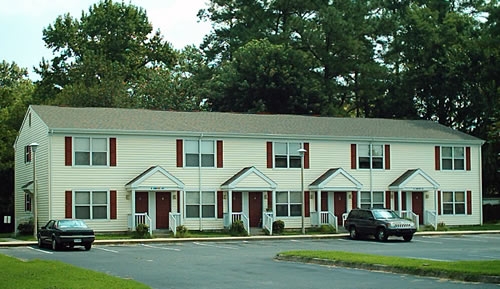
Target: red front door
point(255, 204)
point(339, 205)
point(163, 207)
point(417, 205)
point(141, 202)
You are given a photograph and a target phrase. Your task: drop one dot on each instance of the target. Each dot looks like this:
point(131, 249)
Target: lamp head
point(302, 151)
point(34, 147)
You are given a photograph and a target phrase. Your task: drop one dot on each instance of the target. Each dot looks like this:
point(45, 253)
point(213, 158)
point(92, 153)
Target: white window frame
point(367, 200)
point(289, 204)
point(28, 204)
point(91, 151)
point(205, 151)
point(201, 204)
point(292, 155)
point(28, 156)
point(91, 204)
point(371, 156)
point(453, 203)
point(454, 158)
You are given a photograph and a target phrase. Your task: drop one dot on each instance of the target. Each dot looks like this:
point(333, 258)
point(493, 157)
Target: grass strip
point(18, 274)
point(474, 271)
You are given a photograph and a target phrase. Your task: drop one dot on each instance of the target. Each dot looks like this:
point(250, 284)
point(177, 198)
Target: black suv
point(381, 223)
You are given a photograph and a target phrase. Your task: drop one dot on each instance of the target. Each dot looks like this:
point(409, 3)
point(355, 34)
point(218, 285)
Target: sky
point(22, 23)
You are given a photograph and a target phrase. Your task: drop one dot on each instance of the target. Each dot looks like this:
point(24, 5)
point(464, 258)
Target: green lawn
point(17, 274)
point(460, 270)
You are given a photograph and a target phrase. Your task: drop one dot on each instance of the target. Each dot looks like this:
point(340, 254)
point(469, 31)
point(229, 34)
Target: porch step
point(257, 232)
point(162, 233)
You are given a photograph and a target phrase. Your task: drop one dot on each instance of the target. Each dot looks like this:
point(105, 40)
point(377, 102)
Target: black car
point(381, 223)
point(66, 233)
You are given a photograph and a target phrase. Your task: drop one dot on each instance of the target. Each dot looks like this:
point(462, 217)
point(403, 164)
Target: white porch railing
point(241, 217)
point(174, 220)
point(344, 217)
point(324, 218)
point(268, 222)
point(431, 218)
point(140, 218)
point(412, 216)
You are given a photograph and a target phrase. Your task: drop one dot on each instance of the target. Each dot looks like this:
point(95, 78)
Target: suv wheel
point(381, 235)
point(407, 238)
point(353, 233)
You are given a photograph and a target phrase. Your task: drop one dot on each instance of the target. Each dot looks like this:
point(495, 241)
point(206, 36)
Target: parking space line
point(162, 248)
point(40, 250)
point(425, 241)
point(107, 250)
point(215, 246)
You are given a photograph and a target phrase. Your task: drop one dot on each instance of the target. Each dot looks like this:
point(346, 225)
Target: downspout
point(200, 183)
point(480, 186)
point(371, 173)
point(49, 173)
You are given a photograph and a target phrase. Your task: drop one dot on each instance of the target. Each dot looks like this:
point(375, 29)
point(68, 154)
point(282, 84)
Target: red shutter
point(269, 200)
point(388, 199)
point(353, 157)
point(180, 153)
point(112, 203)
point(439, 203)
point(220, 204)
point(112, 152)
point(354, 200)
point(68, 204)
point(307, 205)
point(68, 151)
point(467, 158)
point(469, 203)
point(269, 151)
point(437, 157)
point(387, 157)
point(306, 155)
point(220, 154)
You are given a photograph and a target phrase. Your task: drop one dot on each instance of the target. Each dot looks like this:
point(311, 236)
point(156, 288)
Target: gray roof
point(119, 120)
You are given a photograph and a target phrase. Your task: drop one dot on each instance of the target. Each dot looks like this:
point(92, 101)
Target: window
point(27, 202)
point(204, 200)
point(288, 204)
point(286, 155)
point(371, 156)
point(452, 158)
point(91, 204)
point(27, 154)
point(453, 203)
point(372, 200)
point(203, 150)
point(91, 151)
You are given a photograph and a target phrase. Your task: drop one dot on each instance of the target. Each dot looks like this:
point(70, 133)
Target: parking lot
point(250, 264)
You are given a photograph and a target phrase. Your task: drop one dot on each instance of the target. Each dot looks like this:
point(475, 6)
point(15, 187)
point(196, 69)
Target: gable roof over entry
point(249, 179)
point(155, 178)
point(335, 180)
point(414, 180)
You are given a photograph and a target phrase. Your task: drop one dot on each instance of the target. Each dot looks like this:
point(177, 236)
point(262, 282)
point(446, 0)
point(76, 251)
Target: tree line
point(405, 59)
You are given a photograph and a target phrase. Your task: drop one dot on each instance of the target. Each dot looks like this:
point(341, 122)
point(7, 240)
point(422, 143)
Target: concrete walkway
point(9, 242)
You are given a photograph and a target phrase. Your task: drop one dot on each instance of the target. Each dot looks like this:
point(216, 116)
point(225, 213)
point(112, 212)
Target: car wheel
point(39, 241)
point(381, 235)
point(87, 247)
point(55, 245)
point(407, 238)
point(353, 233)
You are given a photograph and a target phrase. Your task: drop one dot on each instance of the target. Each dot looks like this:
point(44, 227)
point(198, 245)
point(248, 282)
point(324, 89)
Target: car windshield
point(71, 224)
point(383, 214)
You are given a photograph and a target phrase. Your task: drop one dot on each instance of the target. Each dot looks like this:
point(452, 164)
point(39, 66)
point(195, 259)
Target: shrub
point(278, 227)
point(26, 228)
point(181, 232)
point(142, 231)
point(238, 229)
point(442, 227)
point(327, 229)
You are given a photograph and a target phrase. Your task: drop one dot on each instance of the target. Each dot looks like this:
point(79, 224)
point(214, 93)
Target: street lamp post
point(302, 151)
point(34, 147)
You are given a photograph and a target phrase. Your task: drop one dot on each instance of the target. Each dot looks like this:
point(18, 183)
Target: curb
point(17, 243)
